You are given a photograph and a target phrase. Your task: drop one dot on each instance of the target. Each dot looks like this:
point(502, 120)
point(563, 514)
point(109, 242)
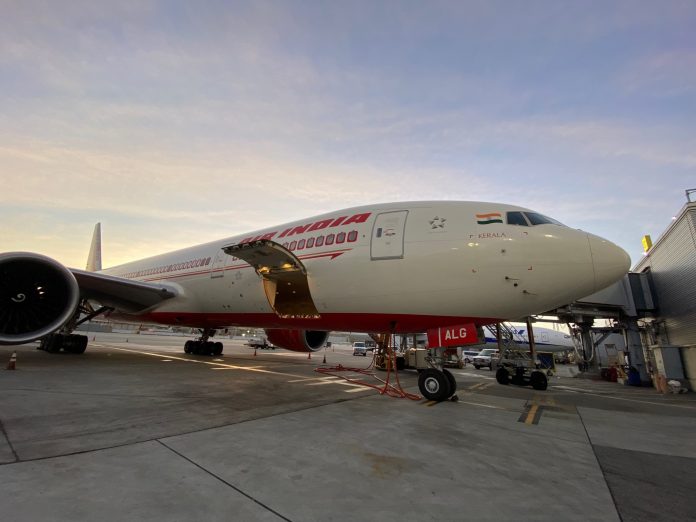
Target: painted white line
point(569, 388)
point(245, 367)
point(477, 375)
point(335, 380)
point(358, 388)
point(575, 390)
point(479, 404)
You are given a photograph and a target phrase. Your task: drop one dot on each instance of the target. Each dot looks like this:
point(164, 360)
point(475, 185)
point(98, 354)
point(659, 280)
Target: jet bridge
point(623, 303)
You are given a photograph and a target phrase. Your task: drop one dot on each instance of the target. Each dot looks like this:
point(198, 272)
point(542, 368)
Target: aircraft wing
point(122, 294)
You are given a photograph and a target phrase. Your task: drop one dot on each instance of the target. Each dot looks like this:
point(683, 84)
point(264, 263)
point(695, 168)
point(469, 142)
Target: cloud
point(213, 120)
point(662, 74)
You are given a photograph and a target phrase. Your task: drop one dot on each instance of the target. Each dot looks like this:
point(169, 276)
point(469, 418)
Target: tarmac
point(135, 429)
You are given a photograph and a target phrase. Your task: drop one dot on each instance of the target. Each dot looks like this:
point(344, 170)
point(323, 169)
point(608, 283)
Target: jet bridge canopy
point(284, 277)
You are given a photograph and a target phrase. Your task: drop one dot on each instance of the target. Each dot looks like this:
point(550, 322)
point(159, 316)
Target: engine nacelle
point(298, 340)
point(37, 297)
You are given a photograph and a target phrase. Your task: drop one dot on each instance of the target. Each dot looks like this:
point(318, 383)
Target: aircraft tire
point(477, 366)
point(452, 381)
point(539, 381)
point(76, 344)
point(217, 349)
point(434, 385)
point(502, 376)
point(54, 343)
point(187, 346)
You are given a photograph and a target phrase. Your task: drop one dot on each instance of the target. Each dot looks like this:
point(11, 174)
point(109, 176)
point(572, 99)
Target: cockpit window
point(516, 218)
point(538, 219)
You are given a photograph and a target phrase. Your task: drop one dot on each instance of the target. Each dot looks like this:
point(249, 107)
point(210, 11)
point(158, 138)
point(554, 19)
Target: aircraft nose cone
point(610, 262)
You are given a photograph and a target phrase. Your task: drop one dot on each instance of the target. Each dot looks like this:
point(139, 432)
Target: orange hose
point(388, 389)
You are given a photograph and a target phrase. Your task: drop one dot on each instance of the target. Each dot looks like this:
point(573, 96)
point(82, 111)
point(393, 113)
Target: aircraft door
point(388, 235)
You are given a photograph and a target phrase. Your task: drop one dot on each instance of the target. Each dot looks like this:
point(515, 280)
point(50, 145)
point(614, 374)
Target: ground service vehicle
point(359, 348)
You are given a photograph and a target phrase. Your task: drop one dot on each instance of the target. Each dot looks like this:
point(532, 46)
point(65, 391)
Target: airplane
point(545, 339)
point(402, 267)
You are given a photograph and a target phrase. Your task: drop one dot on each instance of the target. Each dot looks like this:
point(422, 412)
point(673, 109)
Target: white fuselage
point(545, 339)
point(399, 266)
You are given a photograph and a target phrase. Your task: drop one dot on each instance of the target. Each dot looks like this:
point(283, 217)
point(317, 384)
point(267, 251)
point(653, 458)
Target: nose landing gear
point(437, 385)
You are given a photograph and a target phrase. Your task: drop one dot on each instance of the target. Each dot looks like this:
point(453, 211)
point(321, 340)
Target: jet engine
point(37, 297)
point(298, 340)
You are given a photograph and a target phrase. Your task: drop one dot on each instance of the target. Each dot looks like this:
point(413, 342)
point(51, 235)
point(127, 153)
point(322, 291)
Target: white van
point(359, 348)
point(468, 355)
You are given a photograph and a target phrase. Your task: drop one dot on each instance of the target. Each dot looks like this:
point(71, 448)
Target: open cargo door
point(284, 277)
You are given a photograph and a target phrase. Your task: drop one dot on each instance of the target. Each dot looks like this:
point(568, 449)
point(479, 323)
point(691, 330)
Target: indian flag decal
point(487, 219)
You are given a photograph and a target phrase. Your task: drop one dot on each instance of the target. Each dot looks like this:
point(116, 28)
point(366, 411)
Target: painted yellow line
point(430, 403)
point(209, 363)
point(531, 414)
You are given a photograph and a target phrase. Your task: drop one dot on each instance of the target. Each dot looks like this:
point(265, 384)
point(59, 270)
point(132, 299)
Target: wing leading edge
point(125, 295)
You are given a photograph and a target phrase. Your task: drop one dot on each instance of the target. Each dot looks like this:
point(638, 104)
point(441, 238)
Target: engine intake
point(37, 296)
point(298, 340)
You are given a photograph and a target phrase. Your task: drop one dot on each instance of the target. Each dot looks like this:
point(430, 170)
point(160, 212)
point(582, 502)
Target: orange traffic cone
point(12, 365)
point(324, 361)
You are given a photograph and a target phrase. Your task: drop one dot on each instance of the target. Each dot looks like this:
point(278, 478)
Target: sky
point(175, 123)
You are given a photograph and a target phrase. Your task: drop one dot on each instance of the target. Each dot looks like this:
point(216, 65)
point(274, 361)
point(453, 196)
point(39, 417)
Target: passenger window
point(341, 237)
point(293, 245)
point(352, 236)
point(310, 242)
point(330, 239)
point(320, 241)
point(516, 218)
point(301, 244)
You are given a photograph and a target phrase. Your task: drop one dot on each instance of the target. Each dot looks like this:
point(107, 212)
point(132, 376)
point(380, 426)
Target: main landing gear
point(69, 343)
point(65, 340)
point(522, 376)
point(203, 346)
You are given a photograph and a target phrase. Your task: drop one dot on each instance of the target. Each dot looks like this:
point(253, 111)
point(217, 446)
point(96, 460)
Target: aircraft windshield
point(526, 219)
point(538, 219)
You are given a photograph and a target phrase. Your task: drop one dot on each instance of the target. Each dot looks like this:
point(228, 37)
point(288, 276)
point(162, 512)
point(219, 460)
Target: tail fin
point(94, 261)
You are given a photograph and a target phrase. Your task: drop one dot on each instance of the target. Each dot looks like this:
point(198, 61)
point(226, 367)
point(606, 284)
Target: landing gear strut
point(70, 342)
point(203, 346)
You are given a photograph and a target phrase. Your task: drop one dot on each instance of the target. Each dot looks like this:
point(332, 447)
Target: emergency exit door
point(388, 235)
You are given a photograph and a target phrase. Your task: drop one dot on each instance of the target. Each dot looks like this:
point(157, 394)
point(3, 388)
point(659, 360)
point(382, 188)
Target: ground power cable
point(386, 388)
